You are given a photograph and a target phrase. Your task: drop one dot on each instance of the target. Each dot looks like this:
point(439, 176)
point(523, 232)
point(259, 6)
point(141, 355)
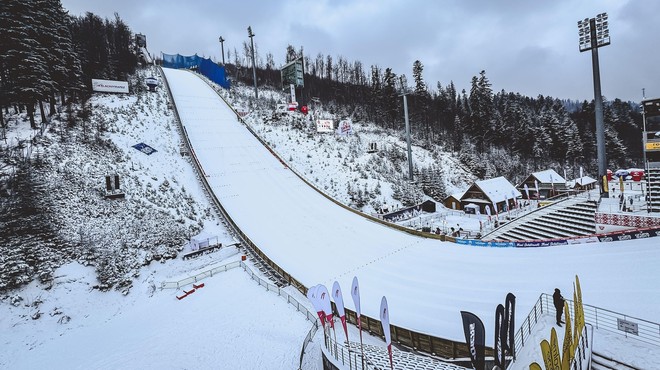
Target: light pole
point(595, 33)
point(254, 67)
point(222, 48)
point(403, 89)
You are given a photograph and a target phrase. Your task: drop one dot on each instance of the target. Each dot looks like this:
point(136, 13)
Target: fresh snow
point(426, 281)
point(233, 323)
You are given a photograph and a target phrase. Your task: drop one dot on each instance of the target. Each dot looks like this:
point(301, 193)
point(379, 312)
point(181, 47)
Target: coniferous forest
point(46, 54)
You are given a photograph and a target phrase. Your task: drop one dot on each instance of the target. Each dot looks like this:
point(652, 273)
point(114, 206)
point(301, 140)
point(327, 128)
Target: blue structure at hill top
point(204, 65)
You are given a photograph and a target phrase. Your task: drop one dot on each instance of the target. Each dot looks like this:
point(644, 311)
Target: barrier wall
point(205, 66)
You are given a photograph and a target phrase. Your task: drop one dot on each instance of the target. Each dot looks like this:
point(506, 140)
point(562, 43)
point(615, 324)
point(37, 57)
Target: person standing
point(558, 300)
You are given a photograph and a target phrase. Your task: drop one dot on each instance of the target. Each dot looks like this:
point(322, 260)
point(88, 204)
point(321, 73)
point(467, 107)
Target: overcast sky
point(525, 46)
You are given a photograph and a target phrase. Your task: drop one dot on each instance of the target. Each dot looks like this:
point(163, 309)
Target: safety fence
point(198, 277)
point(599, 318)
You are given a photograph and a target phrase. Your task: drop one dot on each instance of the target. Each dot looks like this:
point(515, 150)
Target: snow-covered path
point(427, 282)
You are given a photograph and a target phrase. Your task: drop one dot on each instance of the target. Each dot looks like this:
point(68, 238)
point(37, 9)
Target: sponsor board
point(540, 243)
point(630, 235)
point(324, 125)
point(144, 148)
point(110, 86)
point(483, 243)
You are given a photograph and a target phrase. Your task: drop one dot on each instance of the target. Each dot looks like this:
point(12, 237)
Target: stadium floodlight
point(222, 48)
point(402, 86)
point(594, 33)
point(254, 67)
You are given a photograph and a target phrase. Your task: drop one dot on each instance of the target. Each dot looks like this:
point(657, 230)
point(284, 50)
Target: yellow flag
point(535, 366)
point(576, 325)
point(554, 348)
point(547, 355)
point(567, 349)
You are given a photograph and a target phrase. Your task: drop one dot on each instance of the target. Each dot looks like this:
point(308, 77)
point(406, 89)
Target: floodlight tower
point(403, 91)
point(595, 33)
point(254, 67)
point(222, 48)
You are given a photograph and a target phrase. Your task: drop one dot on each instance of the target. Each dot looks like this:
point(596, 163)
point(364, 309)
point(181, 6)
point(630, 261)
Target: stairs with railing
point(567, 218)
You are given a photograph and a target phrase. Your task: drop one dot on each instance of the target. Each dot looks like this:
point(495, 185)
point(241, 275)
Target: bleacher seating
point(565, 219)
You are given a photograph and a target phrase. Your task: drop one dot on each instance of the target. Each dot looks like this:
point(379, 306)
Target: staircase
point(601, 362)
point(565, 219)
point(653, 188)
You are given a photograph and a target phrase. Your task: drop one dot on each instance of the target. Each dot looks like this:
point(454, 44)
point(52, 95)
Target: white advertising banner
point(110, 86)
point(324, 125)
point(312, 296)
point(292, 89)
point(345, 127)
point(324, 298)
point(385, 321)
point(339, 303)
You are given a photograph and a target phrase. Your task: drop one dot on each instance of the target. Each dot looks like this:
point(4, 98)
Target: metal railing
point(600, 318)
point(202, 275)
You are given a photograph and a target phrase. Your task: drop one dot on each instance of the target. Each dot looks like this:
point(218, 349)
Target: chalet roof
point(498, 189)
point(549, 177)
point(582, 181)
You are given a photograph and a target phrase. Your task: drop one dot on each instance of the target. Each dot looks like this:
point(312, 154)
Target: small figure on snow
point(558, 300)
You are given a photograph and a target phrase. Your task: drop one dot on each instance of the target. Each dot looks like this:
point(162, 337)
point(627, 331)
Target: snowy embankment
point(427, 283)
point(66, 322)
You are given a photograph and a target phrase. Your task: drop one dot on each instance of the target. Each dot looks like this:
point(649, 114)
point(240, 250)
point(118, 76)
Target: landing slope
point(427, 282)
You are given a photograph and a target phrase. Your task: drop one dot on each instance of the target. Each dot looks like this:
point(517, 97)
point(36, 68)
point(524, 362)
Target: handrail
point(600, 318)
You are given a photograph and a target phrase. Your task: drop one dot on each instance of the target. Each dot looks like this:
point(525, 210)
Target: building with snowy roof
point(497, 193)
point(543, 185)
point(453, 201)
point(582, 183)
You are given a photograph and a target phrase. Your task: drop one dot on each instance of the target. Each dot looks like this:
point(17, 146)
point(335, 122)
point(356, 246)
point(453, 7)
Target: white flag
point(527, 191)
point(311, 295)
point(339, 303)
point(355, 293)
point(385, 321)
point(536, 184)
point(324, 298)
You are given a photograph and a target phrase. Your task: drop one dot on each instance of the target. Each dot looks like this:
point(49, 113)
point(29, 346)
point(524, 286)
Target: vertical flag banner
point(536, 184)
point(576, 325)
point(500, 333)
point(355, 293)
point(510, 323)
point(547, 355)
point(339, 303)
point(475, 337)
point(515, 200)
point(385, 321)
point(554, 348)
point(324, 298)
point(567, 348)
point(488, 211)
point(311, 295)
point(527, 191)
point(581, 174)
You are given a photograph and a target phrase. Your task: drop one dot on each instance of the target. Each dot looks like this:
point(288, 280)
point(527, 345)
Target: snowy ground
point(232, 323)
